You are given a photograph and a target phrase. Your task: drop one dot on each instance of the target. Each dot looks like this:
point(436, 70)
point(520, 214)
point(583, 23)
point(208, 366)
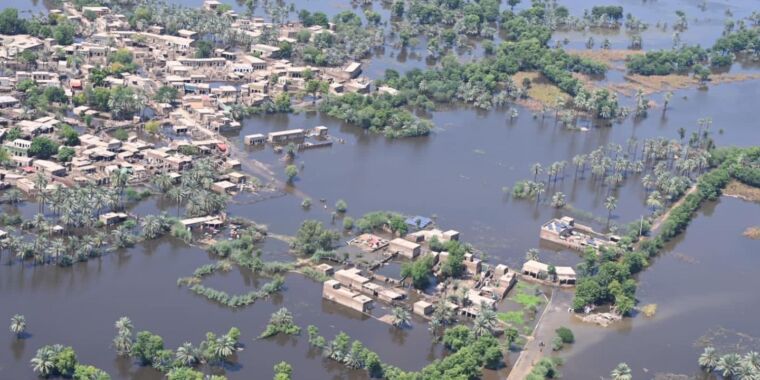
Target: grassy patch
point(515, 318)
point(525, 295)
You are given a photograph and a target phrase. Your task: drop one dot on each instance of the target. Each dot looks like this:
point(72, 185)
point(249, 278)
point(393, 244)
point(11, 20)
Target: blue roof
point(419, 221)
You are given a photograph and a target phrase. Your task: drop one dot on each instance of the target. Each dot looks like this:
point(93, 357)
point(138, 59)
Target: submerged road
point(554, 315)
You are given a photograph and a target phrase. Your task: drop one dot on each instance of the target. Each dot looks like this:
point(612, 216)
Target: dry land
point(739, 190)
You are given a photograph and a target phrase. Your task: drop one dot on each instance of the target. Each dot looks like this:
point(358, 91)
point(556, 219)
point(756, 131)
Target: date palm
point(43, 363)
point(18, 325)
point(728, 365)
point(401, 317)
point(708, 359)
point(621, 372)
point(485, 322)
point(187, 355)
point(610, 204)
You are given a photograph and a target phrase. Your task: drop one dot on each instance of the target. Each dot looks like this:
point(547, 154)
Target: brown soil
point(541, 93)
point(752, 233)
point(611, 58)
point(739, 190)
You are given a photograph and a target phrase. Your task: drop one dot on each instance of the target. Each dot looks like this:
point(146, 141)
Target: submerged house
point(333, 290)
point(539, 270)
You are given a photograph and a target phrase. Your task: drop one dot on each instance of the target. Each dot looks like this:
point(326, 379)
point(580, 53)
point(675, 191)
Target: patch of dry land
point(739, 190)
point(541, 92)
point(752, 233)
point(659, 83)
point(611, 58)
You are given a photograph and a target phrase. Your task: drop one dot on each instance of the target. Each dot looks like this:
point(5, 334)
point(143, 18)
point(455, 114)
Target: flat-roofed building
point(351, 278)
point(285, 136)
point(404, 248)
point(333, 290)
point(49, 168)
point(255, 139)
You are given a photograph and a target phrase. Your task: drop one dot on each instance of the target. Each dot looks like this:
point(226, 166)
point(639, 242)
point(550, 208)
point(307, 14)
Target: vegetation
point(58, 360)
point(281, 322)
point(546, 368)
point(313, 236)
point(419, 271)
point(379, 219)
point(466, 363)
point(18, 325)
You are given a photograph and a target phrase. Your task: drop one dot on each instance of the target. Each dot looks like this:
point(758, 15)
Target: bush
point(565, 334)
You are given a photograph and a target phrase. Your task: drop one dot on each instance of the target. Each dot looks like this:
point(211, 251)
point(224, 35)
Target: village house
point(255, 139)
point(49, 167)
point(333, 291)
point(286, 136)
point(7, 101)
point(404, 248)
point(566, 232)
point(422, 308)
point(18, 147)
point(111, 218)
point(351, 278)
point(265, 51)
point(540, 271)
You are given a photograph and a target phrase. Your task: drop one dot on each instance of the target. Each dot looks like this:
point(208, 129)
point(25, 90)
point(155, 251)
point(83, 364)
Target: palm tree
point(40, 184)
point(610, 204)
point(485, 322)
point(187, 355)
point(123, 340)
point(223, 347)
point(163, 182)
point(621, 372)
point(18, 325)
point(120, 179)
point(728, 365)
point(752, 360)
point(43, 362)
point(13, 196)
point(178, 194)
point(746, 372)
point(401, 317)
point(536, 169)
point(152, 227)
point(708, 359)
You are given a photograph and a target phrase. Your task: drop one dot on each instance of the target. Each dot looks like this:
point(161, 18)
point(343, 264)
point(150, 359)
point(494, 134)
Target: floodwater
point(703, 282)
point(456, 175)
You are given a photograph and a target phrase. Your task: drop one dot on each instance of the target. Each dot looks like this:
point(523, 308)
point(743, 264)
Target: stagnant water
point(703, 282)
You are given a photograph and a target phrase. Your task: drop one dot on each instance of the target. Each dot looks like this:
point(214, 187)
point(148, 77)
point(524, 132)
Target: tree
point(709, 358)
point(185, 373)
point(66, 154)
point(165, 94)
point(43, 362)
point(282, 371)
point(621, 372)
point(88, 372)
point(313, 236)
point(291, 171)
point(531, 254)
point(43, 147)
point(610, 204)
point(485, 322)
point(341, 206)
point(203, 49)
point(419, 271)
point(18, 325)
point(565, 334)
point(728, 365)
point(401, 317)
point(146, 347)
point(69, 135)
point(513, 3)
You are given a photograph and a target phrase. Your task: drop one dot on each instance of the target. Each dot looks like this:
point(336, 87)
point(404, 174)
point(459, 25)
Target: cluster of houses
point(358, 288)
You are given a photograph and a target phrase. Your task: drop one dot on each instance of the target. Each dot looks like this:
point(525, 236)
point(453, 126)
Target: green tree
point(146, 347)
point(313, 236)
point(43, 147)
point(18, 325)
point(291, 171)
point(203, 49)
point(621, 372)
point(282, 371)
point(419, 271)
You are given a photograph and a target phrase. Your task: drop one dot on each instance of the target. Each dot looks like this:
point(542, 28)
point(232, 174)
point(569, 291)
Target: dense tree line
point(52, 26)
point(58, 360)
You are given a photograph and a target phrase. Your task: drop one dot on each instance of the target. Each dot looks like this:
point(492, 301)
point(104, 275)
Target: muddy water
point(704, 281)
point(77, 306)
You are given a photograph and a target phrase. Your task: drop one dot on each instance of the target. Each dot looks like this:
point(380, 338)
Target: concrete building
point(539, 270)
point(351, 278)
point(255, 139)
point(423, 308)
point(285, 136)
point(7, 101)
point(333, 290)
point(49, 167)
point(404, 248)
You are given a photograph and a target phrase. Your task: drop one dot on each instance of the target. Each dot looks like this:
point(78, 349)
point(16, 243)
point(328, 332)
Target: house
point(472, 264)
point(325, 269)
point(422, 308)
point(566, 232)
point(255, 139)
point(98, 11)
point(49, 168)
point(351, 278)
point(404, 248)
point(223, 187)
point(539, 270)
point(265, 51)
point(111, 218)
point(7, 101)
point(332, 290)
point(418, 222)
point(285, 136)
point(238, 178)
point(352, 70)
point(18, 147)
